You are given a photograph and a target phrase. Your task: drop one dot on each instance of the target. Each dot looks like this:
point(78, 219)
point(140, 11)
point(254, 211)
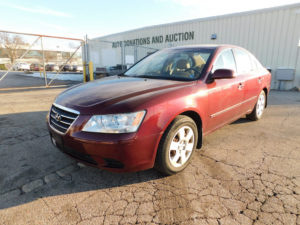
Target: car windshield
point(174, 64)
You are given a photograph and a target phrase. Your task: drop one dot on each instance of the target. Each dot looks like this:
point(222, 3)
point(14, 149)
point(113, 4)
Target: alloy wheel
point(260, 106)
point(181, 146)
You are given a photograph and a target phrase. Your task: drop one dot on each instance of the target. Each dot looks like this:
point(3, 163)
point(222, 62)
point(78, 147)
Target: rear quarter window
point(257, 65)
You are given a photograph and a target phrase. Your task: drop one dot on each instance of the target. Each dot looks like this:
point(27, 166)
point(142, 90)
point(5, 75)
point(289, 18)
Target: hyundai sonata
point(157, 112)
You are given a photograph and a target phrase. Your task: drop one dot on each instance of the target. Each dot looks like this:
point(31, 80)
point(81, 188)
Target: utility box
point(285, 74)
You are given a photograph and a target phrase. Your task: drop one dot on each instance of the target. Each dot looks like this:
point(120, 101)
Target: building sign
point(168, 38)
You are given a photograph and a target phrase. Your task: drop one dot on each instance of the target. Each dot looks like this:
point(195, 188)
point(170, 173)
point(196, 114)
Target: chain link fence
point(110, 58)
point(39, 60)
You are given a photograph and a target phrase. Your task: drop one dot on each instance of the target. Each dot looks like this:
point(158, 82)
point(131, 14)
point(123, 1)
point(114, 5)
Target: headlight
point(115, 123)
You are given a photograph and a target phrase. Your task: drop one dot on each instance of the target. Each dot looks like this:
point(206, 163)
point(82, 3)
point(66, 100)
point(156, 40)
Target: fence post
point(135, 54)
point(123, 53)
point(44, 70)
point(84, 71)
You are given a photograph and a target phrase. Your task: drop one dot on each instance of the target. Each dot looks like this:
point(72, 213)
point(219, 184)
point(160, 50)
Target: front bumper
point(115, 152)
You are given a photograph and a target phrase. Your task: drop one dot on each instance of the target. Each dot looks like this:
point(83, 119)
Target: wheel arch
point(198, 121)
point(194, 115)
point(266, 93)
point(190, 113)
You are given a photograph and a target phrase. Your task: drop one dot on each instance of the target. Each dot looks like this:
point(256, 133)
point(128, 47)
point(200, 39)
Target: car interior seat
point(182, 65)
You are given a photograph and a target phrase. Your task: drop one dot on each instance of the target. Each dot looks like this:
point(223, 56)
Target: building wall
point(272, 35)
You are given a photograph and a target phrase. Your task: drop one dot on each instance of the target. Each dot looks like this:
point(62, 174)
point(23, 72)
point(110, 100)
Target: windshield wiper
point(124, 75)
point(158, 77)
point(146, 76)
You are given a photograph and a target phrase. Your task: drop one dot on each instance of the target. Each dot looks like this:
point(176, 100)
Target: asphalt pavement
point(20, 80)
point(246, 173)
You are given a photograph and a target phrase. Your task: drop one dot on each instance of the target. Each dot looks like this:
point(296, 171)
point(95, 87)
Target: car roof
point(205, 46)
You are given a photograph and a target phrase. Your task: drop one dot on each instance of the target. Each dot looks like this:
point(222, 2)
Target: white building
point(272, 35)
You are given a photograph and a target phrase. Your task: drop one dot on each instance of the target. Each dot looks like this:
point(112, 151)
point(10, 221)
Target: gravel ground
point(246, 173)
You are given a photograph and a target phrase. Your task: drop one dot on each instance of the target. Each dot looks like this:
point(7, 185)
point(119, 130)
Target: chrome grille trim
point(58, 125)
point(71, 118)
point(61, 121)
point(66, 109)
point(61, 118)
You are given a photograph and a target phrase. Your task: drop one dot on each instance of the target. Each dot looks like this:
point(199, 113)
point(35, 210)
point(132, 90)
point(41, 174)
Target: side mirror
point(223, 74)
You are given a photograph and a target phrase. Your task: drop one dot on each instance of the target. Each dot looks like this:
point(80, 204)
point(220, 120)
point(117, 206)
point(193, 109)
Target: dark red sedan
point(36, 67)
point(157, 112)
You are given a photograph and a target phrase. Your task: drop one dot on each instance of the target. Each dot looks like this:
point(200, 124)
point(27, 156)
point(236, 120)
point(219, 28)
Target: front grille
point(61, 118)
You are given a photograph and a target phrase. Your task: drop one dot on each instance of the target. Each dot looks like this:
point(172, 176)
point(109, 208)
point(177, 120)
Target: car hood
point(112, 90)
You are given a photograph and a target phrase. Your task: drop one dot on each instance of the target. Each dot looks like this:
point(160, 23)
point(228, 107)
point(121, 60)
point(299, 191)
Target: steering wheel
point(188, 69)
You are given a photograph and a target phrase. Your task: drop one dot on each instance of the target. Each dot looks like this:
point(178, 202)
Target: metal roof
point(295, 5)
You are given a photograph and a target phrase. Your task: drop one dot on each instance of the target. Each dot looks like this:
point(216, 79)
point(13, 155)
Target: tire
point(259, 107)
point(171, 160)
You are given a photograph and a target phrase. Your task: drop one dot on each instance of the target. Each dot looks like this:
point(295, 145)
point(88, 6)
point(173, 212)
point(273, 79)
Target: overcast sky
point(74, 18)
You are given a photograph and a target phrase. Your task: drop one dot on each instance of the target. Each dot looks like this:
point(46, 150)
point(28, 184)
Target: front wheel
point(177, 146)
point(259, 107)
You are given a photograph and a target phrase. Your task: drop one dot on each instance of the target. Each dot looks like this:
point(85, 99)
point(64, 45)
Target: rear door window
point(243, 61)
point(225, 60)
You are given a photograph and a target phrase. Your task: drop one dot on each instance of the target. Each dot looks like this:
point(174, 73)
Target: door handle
point(260, 79)
point(241, 86)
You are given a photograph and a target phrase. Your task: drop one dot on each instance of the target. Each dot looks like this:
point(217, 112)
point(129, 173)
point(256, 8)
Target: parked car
point(118, 67)
point(51, 67)
point(65, 67)
point(109, 71)
point(101, 72)
point(21, 67)
point(36, 67)
point(73, 68)
point(157, 112)
point(76, 68)
point(79, 68)
point(113, 70)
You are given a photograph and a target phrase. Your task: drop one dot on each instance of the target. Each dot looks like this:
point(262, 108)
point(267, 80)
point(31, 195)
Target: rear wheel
point(259, 107)
point(177, 146)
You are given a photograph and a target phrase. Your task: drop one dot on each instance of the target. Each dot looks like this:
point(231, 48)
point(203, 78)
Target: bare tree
point(12, 45)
